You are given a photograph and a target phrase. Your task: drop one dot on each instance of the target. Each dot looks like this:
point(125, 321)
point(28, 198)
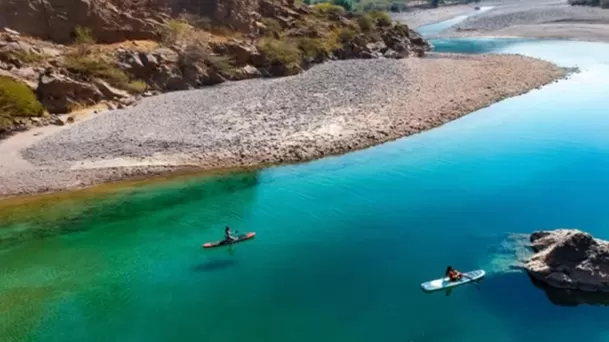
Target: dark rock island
point(570, 259)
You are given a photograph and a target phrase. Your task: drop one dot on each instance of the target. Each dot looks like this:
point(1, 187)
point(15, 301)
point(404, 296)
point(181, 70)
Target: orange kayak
point(240, 238)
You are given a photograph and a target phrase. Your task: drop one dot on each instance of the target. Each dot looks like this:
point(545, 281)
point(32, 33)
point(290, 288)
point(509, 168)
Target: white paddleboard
point(445, 283)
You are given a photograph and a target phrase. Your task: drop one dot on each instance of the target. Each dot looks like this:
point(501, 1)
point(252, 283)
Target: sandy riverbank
point(331, 109)
point(536, 19)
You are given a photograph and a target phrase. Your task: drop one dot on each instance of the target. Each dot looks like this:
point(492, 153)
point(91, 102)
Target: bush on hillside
point(366, 22)
point(382, 19)
point(96, 66)
point(325, 8)
point(283, 52)
point(174, 32)
point(16, 100)
point(314, 48)
point(346, 4)
point(272, 26)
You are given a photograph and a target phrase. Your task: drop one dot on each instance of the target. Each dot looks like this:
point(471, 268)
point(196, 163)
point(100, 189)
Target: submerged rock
point(570, 259)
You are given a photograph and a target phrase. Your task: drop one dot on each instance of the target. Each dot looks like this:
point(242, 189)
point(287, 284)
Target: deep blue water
point(343, 243)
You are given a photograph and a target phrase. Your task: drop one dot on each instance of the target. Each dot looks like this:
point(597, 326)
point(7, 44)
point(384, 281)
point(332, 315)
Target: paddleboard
point(240, 238)
point(445, 283)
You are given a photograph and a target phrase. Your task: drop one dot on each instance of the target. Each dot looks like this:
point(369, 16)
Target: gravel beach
point(536, 19)
point(330, 109)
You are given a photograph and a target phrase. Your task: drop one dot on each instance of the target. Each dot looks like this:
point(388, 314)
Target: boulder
point(246, 72)
point(59, 93)
point(569, 259)
point(242, 53)
point(109, 91)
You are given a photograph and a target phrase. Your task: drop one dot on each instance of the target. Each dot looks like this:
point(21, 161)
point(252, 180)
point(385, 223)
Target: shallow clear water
point(342, 243)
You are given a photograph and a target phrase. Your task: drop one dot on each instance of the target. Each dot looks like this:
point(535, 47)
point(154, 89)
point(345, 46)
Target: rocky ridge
point(77, 53)
point(569, 259)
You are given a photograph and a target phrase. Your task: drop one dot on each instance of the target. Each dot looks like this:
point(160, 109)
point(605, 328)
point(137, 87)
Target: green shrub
point(382, 19)
point(313, 48)
point(346, 4)
point(174, 32)
point(272, 25)
point(95, 66)
point(136, 86)
point(279, 51)
point(346, 35)
point(83, 35)
point(326, 8)
point(604, 3)
point(16, 100)
point(366, 22)
point(198, 53)
point(223, 64)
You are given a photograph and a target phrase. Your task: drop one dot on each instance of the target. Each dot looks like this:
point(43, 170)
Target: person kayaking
point(228, 236)
point(452, 274)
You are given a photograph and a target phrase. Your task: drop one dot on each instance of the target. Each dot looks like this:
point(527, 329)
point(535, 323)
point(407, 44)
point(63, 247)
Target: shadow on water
point(215, 265)
point(571, 298)
point(43, 220)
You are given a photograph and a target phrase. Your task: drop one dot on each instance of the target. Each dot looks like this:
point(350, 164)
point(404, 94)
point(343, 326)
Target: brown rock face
point(56, 20)
point(58, 93)
point(570, 259)
point(236, 13)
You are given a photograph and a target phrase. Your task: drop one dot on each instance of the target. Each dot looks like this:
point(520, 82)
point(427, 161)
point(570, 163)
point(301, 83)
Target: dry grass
point(99, 66)
point(23, 56)
point(280, 51)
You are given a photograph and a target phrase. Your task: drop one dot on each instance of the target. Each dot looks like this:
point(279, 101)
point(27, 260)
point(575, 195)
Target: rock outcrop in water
point(570, 259)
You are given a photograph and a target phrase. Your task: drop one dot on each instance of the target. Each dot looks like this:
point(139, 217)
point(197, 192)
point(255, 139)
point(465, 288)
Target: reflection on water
point(42, 219)
point(563, 297)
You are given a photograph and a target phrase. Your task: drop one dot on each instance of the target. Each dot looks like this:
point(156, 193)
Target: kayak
point(240, 238)
point(445, 283)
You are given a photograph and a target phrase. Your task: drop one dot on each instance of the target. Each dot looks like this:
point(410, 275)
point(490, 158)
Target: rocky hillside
point(57, 56)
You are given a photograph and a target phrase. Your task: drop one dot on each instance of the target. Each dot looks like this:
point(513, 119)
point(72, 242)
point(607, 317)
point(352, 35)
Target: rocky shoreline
point(330, 109)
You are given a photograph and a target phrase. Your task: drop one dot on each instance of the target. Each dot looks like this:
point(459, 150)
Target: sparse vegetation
point(346, 35)
point(20, 55)
point(312, 48)
point(98, 66)
point(280, 51)
point(366, 22)
point(174, 32)
point(83, 35)
point(328, 9)
point(16, 100)
point(137, 86)
point(272, 26)
point(382, 19)
point(199, 53)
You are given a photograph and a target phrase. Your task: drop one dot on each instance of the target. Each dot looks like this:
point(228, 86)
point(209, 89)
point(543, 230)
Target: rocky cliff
point(76, 53)
point(570, 259)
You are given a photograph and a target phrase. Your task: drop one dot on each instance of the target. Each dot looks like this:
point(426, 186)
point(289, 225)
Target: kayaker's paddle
point(473, 281)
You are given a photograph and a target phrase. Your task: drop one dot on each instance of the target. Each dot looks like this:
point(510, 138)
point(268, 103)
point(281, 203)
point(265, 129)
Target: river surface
point(342, 243)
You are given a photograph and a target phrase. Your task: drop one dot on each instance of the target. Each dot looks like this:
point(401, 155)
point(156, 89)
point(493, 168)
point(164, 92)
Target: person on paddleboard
point(452, 274)
point(227, 235)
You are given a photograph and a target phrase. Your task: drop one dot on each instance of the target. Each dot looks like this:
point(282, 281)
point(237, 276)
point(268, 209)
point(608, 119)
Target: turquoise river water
point(342, 243)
